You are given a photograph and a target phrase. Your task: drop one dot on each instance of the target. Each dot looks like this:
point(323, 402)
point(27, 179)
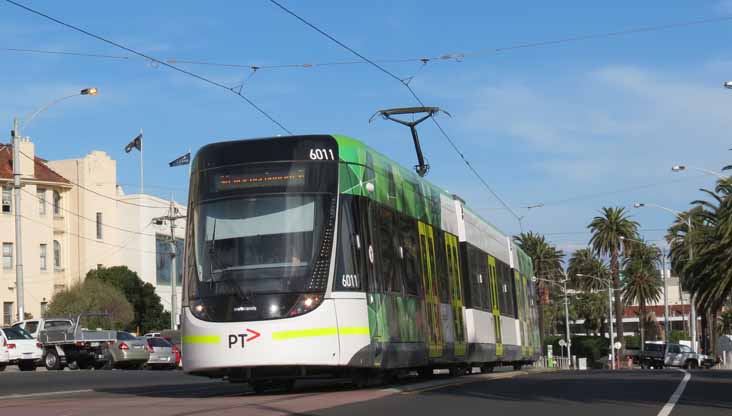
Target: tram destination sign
point(275, 177)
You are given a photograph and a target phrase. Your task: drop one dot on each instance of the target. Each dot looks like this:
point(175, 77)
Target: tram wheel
point(425, 372)
point(486, 369)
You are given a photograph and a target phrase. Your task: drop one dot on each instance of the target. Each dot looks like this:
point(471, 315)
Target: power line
point(411, 91)
point(121, 201)
point(150, 58)
point(84, 237)
point(92, 220)
point(455, 57)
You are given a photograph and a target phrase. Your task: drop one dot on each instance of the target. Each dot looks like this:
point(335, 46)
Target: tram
point(317, 256)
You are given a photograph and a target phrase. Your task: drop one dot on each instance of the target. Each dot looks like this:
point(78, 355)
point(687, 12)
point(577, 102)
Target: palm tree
point(547, 262)
point(607, 231)
point(584, 261)
point(642, 280)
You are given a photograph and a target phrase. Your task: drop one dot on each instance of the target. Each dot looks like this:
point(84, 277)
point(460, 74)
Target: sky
point(574, 126)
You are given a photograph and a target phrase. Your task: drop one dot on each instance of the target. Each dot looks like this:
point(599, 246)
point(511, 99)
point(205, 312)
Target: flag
point(136, 143)
point(183, 160)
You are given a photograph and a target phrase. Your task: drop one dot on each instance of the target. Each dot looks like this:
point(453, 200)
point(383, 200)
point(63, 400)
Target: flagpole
point(142, 169)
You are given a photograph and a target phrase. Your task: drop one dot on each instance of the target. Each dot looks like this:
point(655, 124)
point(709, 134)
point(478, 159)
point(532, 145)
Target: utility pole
point(566, 321)
point(666, 329)
point(19, 287)
point(610, 319)
point(173, 215)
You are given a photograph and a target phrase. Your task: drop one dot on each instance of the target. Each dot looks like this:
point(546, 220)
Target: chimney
point(28, 154)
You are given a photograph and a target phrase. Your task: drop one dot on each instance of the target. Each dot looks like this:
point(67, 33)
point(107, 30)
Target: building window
point(44, 309)
point(7, 200)
point(56, 255)
point(41, 194)
point(8, 313)
point(56, 203)
point(99, 225)
point(44, 256)
point(162, 259)
point(7, 255)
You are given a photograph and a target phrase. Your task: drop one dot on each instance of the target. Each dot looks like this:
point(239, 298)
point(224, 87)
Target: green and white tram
point(317, 256)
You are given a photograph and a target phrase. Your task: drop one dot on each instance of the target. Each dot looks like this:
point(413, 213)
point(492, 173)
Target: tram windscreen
point(266, 244)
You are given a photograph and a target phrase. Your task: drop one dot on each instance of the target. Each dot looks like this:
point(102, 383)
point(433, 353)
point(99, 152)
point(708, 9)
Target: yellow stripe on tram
point(319, 332)
point(201, 339)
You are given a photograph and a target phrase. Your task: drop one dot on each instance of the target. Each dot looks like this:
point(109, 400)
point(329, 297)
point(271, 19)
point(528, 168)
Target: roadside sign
point(562, 343)
point(617, 345)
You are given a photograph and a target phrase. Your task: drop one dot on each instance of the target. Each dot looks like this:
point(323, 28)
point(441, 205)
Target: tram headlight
point(305, 303)
point(198, 309)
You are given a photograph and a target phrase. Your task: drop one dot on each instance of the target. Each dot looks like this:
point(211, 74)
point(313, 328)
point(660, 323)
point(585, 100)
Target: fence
point(562, 363)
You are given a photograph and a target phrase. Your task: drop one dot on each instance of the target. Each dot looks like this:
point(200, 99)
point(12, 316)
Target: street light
point(680, 168)
point(609, 283)
point(665, 285)
point(728, 85)
point(15, 133)
point(566, 312)
point(680, 215)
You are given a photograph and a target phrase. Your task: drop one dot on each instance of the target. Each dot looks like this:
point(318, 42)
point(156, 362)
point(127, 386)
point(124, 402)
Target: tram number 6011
point(322, 154)
point(350, 281)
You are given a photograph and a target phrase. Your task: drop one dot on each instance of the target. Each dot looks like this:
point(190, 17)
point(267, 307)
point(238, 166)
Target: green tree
point(547, 262)
point(584, 261)
point(725, 322)
point(642, 280)
point(606, 232)
point(149, 313)
point(93, 296)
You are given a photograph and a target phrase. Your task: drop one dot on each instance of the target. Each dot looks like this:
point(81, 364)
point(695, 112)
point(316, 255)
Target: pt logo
point(241, 339)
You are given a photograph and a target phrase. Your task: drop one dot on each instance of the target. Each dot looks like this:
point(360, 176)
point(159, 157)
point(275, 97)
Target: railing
point(561, 363)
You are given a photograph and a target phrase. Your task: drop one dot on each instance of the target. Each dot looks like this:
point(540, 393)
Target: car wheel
point(2, 367)
point(692, 365)
point(52, 361)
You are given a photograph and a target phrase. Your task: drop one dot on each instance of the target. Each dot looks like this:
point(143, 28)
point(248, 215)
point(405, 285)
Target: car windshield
point(16, 334)
point(654, 347)
point(125, 336)
point(159, 342)
point(57, 324)
point(266, 244)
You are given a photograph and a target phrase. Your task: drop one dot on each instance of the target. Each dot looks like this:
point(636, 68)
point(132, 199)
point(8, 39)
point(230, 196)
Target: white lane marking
point(669, 406)
point(50, 393)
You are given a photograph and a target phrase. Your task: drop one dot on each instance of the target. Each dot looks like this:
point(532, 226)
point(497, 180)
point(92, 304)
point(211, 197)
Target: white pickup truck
point(34, 326)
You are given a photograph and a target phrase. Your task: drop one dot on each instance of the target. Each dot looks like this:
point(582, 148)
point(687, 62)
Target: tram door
point(495, 306)
point(456, 292)
point(429, 283)
point(521, 315)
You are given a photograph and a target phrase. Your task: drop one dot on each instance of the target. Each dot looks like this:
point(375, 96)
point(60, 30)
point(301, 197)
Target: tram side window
point(409, 233)
point(389, 255)
point(466, 276)
point(443, 280)
point(485, 285)
point(478, 278)
point(350, 256)
point(505, 289)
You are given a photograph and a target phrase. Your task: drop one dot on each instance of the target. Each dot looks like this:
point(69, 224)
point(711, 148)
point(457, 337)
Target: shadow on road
point(706, 389)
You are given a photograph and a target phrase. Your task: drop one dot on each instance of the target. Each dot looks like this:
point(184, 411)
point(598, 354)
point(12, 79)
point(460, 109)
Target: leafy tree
point(606, 232)
point(642, 280)
point(584, 261)
point(592, 307)
point(149, 313)
point(547, 262)
point(93, 296)
point(725, 322)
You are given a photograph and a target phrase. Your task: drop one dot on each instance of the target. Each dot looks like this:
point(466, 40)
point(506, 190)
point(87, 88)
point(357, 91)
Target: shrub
point(93, 296)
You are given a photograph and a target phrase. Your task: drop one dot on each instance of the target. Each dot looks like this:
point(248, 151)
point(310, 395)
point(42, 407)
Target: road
point(596, 393)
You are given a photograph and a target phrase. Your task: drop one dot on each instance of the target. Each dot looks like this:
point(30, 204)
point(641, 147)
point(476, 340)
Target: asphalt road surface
point(595, 393)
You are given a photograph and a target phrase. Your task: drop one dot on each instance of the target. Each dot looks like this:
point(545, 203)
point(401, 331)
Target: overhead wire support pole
point(172, 216)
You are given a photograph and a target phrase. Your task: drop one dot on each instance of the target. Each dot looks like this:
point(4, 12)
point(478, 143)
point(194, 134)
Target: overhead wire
point(92, 220)
point(152, 59)
point(121, 201)
point(454, 57)
point(411, 91)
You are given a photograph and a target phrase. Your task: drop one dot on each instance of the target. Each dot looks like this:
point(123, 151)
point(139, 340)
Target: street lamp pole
point(17, 185)
point(609, 312)
point(680, 215)
point(680, 168)
point(566, 313)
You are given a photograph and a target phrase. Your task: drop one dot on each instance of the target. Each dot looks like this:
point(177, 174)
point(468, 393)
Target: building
point(45, 232)
point(77, 218)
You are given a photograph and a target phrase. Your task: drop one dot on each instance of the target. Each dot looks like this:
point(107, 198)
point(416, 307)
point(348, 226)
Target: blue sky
point(575, 126)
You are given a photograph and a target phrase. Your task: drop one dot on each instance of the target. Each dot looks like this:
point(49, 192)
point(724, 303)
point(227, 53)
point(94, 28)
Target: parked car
point(152, 334)
point(163, 354)
point(4, 355)
point(127, 351)
point(659, 355)
point(34, 326)
point(23, 350)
